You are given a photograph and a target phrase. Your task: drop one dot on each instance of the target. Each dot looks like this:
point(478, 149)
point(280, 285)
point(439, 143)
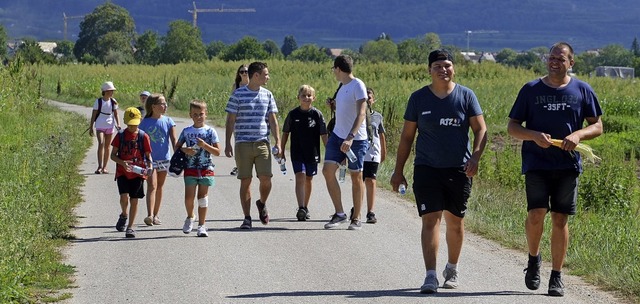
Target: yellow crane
point(64, 19)
point(196, 10)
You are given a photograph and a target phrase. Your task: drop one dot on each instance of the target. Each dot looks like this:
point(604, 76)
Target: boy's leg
point(300, 188)
point(308, 186)
point(189, 196)
point(133, 209)
point(203, 204)
point(370, 185)
point(124, 204)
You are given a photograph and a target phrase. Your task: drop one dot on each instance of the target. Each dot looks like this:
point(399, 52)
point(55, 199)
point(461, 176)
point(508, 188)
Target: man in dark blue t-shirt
point(552, 107)
point(445, 162)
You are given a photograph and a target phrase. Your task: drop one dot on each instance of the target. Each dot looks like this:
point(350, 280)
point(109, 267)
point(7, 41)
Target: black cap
point(439, 55)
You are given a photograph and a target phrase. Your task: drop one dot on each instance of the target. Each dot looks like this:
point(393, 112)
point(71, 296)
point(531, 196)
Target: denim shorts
point(310, 169)
point(332, 153)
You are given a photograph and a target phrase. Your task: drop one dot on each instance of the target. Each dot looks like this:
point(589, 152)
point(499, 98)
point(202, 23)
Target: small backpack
point(113, 106)
point(140, 141)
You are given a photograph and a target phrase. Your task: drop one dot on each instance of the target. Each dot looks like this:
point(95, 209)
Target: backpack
point(113, 105)
point(139, 140)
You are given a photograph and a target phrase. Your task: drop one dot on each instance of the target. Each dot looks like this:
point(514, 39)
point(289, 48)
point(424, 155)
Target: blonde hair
point(306, 88)
point(152, 100)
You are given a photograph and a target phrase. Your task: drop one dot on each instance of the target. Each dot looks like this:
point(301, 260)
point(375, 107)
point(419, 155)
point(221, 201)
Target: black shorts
point(555, 190)
point(438, 189)
point(133, 187)
point(369, 170)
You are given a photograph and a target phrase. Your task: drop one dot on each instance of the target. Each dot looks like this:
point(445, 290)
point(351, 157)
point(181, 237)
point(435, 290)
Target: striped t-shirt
point(252, 109)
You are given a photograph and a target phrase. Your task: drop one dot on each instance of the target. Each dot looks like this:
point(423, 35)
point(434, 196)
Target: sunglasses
point(243, 71)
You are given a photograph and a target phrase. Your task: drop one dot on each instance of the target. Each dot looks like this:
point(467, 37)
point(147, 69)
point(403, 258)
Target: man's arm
point(229, 127)
point(479, 129)
point(275, 129)
point(593, 130)
point(515, 129)
point(404, 148)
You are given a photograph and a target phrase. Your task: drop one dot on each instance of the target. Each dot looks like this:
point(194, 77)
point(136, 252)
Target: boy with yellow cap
point(132, 154)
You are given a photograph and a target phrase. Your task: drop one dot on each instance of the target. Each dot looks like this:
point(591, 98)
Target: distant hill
point(494, 24)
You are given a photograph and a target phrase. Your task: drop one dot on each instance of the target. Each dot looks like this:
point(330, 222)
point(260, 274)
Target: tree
point(585, 63)
point(382, 50)
point(215, 49)
point(272, 49)
point(506, 56)
point(3, 42)
point(615, 55)
point(635, 47)
point(105, 19)
point(183, 43)
point(289, 45)
point(246, 48)
point(309, 53)
point(432, 41)
point(416, 50)
point(147, 50)
point(64, 49)
point(120, 51)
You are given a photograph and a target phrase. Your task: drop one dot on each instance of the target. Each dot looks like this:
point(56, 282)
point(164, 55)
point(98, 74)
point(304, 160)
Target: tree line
point(108, 36)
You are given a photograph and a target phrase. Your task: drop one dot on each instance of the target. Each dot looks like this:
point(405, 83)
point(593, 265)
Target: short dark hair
point(439, 54)
point(563, 44)
point(256, 67)
point(344, 63)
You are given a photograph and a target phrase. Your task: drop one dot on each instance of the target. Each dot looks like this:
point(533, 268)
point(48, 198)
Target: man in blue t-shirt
point(552, 107)
point(445, 162)
point(251, 116)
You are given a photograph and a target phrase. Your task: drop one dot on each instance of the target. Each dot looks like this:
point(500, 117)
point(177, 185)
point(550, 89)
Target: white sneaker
point(430, 284)
point(450, 278)
point(202, 231)
point(188, 225)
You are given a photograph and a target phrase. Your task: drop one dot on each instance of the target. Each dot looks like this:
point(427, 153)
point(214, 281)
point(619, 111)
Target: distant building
point(334, 52)
point(47, 47)
point(615, 72)
point(475, 58)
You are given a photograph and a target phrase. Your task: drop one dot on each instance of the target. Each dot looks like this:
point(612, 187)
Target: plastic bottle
point(283, 167)
point(351, 156)
point(402, 189)
point(342, 173)
point(139, 170)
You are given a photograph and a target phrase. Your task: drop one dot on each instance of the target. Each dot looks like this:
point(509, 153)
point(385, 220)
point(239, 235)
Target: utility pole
point(196, 10)
point(64, 19)
point(477, 32)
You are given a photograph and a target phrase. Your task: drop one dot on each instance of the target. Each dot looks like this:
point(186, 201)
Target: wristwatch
point(351, 135)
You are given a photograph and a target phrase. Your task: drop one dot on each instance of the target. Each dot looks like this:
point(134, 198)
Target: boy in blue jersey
point(552, 107)
point(201, 142)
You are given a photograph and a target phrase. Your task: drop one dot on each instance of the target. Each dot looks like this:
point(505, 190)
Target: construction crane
point(64, 19)
point(196, 10)
point(477, 32)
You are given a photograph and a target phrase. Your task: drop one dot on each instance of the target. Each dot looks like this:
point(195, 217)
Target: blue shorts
point(310, 169)
point(332, 153)
point(555, 190)
point(204, 181)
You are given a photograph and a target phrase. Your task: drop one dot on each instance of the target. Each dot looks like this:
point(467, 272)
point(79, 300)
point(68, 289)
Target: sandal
point(98, 170)
point(104, 171)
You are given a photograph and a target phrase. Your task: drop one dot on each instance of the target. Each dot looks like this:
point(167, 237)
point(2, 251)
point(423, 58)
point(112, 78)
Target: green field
point(605, 234)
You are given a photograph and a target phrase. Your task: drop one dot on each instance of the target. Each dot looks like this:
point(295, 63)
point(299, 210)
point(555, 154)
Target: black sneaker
point(556, 288)
point(532, 274)
point(371, 218)
point(301, 214)
point(308, 216)
point(130, 233)
point(122, 221)
point(234, 171)
point(262, 212)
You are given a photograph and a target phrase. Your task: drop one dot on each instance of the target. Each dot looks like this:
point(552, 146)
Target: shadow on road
point(408, 292)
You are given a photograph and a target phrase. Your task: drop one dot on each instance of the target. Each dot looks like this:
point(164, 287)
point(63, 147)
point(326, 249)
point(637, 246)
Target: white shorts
point(161, 165)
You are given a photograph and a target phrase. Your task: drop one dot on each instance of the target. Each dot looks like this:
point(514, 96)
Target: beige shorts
point(248, 154)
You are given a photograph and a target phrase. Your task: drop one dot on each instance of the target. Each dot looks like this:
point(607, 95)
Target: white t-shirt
point(105, 119)
point(346, 109)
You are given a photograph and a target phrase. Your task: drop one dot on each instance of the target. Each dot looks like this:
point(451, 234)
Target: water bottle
point(342, 173)
point(139, 170)
point(402, 189)
point(283, 166)
point(281, 161)
point(351, 156)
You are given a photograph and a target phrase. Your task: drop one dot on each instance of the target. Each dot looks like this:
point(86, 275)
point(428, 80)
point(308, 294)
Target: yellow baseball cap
point(132, 116)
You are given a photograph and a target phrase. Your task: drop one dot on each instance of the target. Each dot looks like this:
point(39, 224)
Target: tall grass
point(608, 194)
point(39, 185)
